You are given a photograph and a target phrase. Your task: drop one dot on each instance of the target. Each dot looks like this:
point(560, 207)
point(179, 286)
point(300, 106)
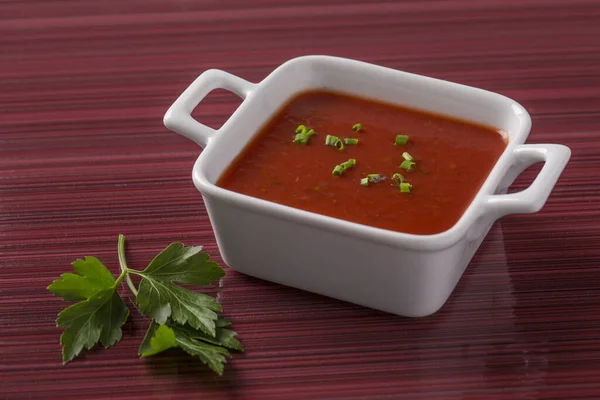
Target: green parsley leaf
point(223, 337)
point(160, 298)
point(211, 350)
point(93, 277)
point(182, 264)
point(181, 318)
point(97, 319)
point(158, 339)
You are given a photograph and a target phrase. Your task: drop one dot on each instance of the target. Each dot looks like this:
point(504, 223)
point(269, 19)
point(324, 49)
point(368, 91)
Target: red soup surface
point(452, 160)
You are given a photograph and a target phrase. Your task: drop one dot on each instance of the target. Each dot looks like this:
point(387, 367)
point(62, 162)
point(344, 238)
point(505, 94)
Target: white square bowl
point(404, 274)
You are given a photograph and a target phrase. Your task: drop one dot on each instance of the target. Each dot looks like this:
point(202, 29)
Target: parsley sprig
point(180, 317)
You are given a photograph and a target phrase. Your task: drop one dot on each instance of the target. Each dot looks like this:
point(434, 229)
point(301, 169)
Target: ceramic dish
point(404, 274)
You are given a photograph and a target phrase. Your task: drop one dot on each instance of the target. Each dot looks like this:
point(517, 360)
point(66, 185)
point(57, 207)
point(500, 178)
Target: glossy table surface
point(84, 156)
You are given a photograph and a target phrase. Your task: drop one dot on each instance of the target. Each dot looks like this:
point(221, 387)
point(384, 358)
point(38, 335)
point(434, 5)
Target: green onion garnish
point(398, 178)
point(338, 170)
point(348, 164)
point(356, 127)
point(350, 141)
point(375, 178)
point(401, 140)
point(331, 140)
point(405, 187)
point(407, 165)
point(334, 141)
point(301, 129)
point(302, 137)
point(372, 178)
point(407, 156)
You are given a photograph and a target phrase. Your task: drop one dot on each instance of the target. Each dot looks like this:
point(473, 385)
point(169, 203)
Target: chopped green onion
point(304, 135)
point(348, 164)
point(331, 140)
point(301, 129)
point(405, 187)
point(407, 165)
point(398, 178)
point(334, 141)
point(373, 178)
point(407, 156)
point(338, 170)
point(350, 141)
point(356, 127)
point(301, 138)
point(401, 140)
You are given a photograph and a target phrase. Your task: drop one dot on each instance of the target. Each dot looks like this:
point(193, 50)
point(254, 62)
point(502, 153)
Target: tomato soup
point(450, 161)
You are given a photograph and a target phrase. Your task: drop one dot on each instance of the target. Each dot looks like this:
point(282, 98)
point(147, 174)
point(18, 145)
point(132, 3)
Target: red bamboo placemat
point(84, 156)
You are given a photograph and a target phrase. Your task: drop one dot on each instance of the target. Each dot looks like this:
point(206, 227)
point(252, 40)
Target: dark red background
point(84, 156)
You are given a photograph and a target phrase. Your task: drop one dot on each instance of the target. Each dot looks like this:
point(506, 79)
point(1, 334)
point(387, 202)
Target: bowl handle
point(178, 117)
point(532, 199)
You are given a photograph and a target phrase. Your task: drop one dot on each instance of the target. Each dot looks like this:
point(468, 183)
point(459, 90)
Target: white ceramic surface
point(405, 274)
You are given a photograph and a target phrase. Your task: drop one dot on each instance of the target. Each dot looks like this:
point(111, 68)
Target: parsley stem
point(120, 278)
point(121, 253)
point(131, 285)
point(123, 264)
